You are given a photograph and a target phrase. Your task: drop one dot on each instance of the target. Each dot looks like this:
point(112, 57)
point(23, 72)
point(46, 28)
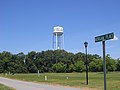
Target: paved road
point(22, 85)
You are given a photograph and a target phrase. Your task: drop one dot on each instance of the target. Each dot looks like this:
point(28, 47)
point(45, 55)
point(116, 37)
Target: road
point(23, 85)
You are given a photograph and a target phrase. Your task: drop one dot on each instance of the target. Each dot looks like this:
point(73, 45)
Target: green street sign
point(104, 37)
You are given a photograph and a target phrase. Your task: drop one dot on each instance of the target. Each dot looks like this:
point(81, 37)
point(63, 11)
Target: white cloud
point(115, 38)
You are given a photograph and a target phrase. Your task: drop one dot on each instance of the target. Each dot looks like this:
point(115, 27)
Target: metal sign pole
point(104, 64)
point(103, 38)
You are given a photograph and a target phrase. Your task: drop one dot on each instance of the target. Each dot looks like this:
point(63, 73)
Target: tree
point(79, 66)
point(79, 56)
point(70, 68)
point(110, 63)
point(59, 67)
point(32, 68)
point(5, 57)
point(1, 66)
point(94, 57)
point(96, 66)
point(53, 61)
point(118, 65)
point(40, 64)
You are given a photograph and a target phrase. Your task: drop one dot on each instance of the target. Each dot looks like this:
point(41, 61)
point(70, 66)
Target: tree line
point(54, 61)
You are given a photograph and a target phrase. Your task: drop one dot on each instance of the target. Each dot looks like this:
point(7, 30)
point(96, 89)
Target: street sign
point(104, 37)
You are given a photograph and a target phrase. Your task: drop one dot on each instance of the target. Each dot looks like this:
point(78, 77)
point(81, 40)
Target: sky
point(27, 25)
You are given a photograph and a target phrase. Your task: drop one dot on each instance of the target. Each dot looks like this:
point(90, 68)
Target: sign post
point(103, 38)
point(104, 64)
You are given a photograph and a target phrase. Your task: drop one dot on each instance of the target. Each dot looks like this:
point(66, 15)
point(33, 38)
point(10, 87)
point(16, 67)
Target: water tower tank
point(58, 30)
point(58, 38)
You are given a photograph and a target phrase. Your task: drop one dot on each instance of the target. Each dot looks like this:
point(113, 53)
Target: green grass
point(74, 79)
point(3, 87)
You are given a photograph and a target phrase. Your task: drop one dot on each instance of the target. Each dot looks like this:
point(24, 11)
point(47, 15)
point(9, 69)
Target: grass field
point(74, 79)
point(3, 87)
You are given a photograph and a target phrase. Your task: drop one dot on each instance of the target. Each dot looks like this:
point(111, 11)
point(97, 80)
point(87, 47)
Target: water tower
point(58, 38)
